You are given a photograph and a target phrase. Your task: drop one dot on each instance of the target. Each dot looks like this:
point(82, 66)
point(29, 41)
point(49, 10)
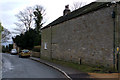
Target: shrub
point(36, 48)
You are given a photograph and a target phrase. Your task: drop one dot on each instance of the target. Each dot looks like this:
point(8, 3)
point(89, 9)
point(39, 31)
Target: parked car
point(24, 53)
point(13, 51)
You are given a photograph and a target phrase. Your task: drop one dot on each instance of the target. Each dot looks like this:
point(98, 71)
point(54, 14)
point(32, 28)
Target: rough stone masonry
point(84, 36)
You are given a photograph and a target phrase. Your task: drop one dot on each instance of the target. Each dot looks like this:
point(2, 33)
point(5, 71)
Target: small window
point(45, 46)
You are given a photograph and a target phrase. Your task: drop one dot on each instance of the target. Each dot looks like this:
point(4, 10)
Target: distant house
point(89, 35)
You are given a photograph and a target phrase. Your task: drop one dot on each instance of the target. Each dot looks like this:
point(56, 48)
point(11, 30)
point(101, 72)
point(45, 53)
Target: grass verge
point(82, 67)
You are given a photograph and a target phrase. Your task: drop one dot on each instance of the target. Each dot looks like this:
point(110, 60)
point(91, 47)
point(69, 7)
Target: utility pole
point(116, 38)
point(114, 35)
point(118, 60)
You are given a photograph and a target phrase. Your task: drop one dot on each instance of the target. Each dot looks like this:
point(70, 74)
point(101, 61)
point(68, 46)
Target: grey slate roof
point(81, 11)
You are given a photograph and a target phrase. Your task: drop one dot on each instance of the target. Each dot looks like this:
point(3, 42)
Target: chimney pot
point(67, 10)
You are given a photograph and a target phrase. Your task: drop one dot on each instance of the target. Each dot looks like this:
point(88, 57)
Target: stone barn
point(88, 35)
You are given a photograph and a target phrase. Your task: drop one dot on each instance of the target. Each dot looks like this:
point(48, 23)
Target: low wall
point(35, 54)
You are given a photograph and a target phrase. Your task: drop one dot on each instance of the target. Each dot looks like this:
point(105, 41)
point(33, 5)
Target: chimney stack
point(67, 10)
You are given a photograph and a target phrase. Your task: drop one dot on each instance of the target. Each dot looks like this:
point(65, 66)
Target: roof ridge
point(81, 11)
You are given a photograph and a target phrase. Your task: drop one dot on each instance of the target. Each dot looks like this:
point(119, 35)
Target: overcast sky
point(54, 9)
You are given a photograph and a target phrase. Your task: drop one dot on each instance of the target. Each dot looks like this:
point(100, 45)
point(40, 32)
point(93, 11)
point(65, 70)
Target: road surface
point(15, 67)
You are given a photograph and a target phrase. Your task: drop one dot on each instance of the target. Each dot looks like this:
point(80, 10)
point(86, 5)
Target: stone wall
point(35, 54)
point(88, 38)
point(46, 40)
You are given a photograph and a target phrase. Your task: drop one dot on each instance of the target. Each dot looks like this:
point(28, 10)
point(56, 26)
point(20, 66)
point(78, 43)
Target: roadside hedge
point(36, 48)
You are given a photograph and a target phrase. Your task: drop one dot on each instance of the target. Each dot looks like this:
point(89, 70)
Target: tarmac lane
point(25, 68)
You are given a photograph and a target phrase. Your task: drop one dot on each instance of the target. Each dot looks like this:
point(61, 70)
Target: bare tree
point(25, 18)
point(77, 5)
point(20, 29)
point(40, 8)
point(39, 13)
point(5, 35)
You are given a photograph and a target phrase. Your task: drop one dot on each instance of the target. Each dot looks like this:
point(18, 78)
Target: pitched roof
point(81, 11)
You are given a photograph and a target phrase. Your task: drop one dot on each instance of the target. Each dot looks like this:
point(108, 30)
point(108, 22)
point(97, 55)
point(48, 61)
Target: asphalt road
point(15, 67)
